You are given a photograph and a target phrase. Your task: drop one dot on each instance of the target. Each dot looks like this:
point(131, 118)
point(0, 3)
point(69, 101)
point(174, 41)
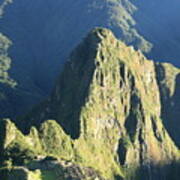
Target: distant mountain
point(43, 39)
point(107, 114)
point(5, 61)
point(14, 100)
point(159, 22)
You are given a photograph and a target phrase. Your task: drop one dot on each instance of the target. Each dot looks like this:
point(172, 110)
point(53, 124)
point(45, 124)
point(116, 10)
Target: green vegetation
point(121, 17)
point(20, 173)
point(54, 141)
point(48, 175)
point(110, 93)
point(37, 78)
point(16, 149)
point(5, 61)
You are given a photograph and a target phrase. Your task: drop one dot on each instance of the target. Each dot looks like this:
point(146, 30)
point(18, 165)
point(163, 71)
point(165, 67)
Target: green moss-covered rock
point(54, 141)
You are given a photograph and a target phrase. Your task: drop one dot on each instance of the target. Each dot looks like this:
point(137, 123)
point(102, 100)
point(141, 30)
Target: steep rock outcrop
point(108, 100)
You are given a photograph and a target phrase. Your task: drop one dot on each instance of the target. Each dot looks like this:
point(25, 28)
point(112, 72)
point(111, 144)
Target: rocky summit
point(111, 116)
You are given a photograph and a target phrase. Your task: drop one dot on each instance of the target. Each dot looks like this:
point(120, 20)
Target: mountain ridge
point(42, 40)
point(107, 113)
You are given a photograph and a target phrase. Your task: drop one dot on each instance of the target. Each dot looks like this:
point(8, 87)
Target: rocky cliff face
point(42, 40)
point(109, 114)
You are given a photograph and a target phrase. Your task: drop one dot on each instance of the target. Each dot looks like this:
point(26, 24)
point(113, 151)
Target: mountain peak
point(107, 100)
point(100, 33)
point(97, 36)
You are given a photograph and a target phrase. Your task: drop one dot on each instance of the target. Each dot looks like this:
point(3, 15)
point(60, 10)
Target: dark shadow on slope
point(2, 139)
point(122, 151)
point(135, 114)
point(14, 101)
point(170, 171)
point(117, 177)
point(170, 106)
